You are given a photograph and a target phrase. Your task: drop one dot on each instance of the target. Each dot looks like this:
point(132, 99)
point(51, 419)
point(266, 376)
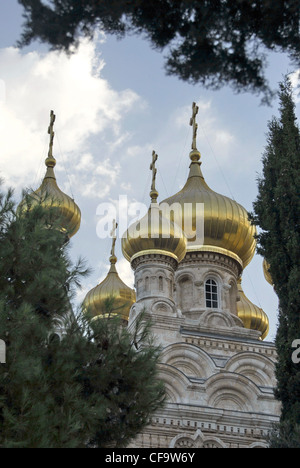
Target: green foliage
point(288, 436)
point(92, 385)
point(122, 371)
point(277, 213)
point(213, 42)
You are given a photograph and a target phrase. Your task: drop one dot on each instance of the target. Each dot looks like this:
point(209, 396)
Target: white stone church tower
point(218, 371)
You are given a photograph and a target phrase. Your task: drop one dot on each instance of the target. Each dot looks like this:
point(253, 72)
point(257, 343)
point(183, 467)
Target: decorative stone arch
point(213, 442)
point(184, 441)
point(258, 445)
point(213, 279)
point(147, 283)
point(226, 284)
point(144, 280)
point(219, 319)
point(176, 383)
point(231, 391)
point(189, 359)
point(160, 272)
point(186, 273)
point(163, 307)
point(135, 310)
point(213, 273)
point(254, 366)
point(188, 440)
point(147, 272)
point(196, 440)
point(162, 279)
point(171, 393)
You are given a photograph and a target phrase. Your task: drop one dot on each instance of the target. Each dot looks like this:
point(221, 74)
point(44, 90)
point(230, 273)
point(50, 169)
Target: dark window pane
point(211, 294)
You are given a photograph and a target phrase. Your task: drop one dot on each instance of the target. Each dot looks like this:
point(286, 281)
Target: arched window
point(147, 286)
point(211, 294)
point(160, 283)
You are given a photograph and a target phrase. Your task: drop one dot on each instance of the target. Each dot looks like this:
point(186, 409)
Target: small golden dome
point(267, 273)
point(154, 233)
point(252, 316)
point(111, 287)
point(49, 194)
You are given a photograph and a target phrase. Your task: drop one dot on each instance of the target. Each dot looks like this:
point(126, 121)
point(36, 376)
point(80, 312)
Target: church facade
point(219, 375)
point(217, 369)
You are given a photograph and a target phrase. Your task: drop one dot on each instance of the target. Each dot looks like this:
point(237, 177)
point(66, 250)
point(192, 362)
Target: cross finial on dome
point(194, 124)
point(50, 161)
point(113, 234)
point(154, 192)
point(194, 155)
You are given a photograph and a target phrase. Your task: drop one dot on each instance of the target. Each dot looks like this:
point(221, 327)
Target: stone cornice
point(211, 258)
point(159, 259)
point(227, 343)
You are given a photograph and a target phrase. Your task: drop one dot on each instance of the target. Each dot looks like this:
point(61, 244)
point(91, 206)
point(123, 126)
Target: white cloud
point(295, 80)
point(85, 105)
point(213, 134)
point(183, 114)
point(136, 151)
point(125, 272)
point(86, 162)
point(126, 186)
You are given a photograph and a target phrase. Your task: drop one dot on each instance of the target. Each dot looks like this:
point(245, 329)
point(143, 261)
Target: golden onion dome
point(50, 195)
point(252, 316)
point(267, 273)
point(154, 233)
point(226, 227)
point(111, 287)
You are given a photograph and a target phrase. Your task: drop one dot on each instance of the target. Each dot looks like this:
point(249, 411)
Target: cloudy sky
point(114, 105)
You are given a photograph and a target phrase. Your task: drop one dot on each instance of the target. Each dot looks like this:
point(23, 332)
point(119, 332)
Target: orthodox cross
point(51, 133)
point(154, 170)
point(113, 235)
point(194, 125)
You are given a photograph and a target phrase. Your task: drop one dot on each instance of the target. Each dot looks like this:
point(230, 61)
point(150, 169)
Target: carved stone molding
point(160, 259)
point(211, 258)
point(196, 440)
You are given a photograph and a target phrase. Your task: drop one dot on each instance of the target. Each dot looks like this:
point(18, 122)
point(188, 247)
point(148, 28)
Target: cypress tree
point(277, 213)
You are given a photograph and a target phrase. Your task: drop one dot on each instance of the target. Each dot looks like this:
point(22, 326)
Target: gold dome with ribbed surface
point(267, 273)
point(252, 316)
point(227, 229)
point(154, 233)
point(50, 195)
point(111, 287)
